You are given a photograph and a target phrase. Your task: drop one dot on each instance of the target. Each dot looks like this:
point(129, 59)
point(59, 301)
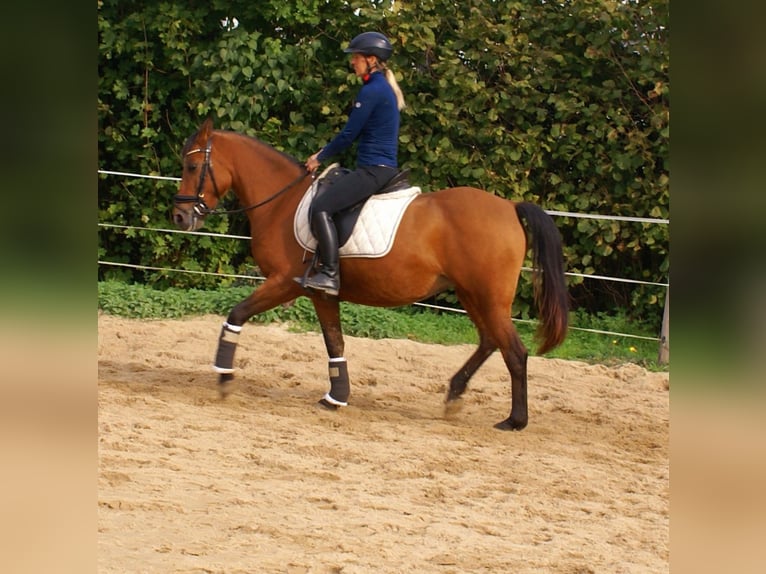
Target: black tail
point(549, 282)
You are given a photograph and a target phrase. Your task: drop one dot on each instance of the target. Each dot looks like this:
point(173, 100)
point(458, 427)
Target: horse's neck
point(263, 173)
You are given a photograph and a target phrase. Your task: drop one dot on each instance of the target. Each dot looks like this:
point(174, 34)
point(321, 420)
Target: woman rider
point(374, 122)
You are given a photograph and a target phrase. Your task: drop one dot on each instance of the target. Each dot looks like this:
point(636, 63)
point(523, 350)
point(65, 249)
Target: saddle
point(346, 219)
point(366, 229)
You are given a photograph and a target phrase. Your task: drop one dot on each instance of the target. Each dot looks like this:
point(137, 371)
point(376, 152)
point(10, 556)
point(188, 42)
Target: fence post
point(664, 353)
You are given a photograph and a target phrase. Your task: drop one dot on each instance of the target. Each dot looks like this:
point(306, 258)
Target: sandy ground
point(265, 481)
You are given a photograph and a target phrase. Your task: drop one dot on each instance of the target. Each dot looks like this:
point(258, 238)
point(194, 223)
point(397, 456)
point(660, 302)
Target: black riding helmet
point(373, 43)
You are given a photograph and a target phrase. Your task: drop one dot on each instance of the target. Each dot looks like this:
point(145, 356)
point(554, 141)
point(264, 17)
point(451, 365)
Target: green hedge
point(562, 103)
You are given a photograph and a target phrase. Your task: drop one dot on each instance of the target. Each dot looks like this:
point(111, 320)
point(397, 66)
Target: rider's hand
point(312, 163)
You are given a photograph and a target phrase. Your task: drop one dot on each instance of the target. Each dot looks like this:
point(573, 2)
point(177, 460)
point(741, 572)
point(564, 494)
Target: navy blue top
point(374, 120)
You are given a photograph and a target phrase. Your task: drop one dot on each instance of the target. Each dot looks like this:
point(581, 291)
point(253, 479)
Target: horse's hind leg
point(497, 331)
point(487, 346)
point(459, 381)
point(515, 357)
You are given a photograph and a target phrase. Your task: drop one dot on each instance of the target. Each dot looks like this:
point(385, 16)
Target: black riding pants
point(352, 188)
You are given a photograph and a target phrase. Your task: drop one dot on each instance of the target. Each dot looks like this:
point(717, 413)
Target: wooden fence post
point(664, 355)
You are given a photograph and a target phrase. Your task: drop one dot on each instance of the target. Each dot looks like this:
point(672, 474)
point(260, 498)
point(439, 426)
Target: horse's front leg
point(328, 313)
point(270, 294)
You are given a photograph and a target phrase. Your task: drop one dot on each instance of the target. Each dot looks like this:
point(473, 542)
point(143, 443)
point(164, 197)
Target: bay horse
point(462, 238)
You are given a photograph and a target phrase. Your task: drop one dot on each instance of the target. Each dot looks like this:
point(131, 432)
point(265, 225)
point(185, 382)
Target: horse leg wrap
point(340, 389)
point(227, 344)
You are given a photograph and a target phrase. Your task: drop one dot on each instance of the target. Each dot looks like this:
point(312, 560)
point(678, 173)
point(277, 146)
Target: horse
point(462, 238)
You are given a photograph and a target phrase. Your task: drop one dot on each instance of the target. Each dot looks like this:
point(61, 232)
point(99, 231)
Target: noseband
point(200, 208)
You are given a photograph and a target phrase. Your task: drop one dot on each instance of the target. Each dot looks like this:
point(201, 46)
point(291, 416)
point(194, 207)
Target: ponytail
point(391, 79)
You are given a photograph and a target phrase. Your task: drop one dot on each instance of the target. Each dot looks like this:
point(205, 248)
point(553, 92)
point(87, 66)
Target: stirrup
point(326, 284)
point(309, 270)
point(300, 281)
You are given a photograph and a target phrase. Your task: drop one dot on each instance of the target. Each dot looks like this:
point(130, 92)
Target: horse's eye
point(191, 167)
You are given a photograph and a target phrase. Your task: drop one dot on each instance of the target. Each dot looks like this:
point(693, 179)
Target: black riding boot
point(327, 277)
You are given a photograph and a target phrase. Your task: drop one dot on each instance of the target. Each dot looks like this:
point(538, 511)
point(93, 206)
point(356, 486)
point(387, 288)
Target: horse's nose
point(179, 220)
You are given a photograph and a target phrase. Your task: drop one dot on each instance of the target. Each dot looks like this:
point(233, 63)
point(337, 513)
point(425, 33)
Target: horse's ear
point(206, 128)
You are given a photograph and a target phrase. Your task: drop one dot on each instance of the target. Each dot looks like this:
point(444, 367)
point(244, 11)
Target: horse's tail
point(549, 283)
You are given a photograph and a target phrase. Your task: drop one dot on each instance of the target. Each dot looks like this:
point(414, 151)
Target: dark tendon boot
point(327, 278)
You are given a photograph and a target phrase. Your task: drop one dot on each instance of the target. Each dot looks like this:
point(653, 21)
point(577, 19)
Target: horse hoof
point(327, 405)
point(455, 393)
point(453, 407)
point(510, 425)
point(225, 384)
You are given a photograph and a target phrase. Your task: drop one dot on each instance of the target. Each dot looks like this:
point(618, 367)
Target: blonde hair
point(391, 79)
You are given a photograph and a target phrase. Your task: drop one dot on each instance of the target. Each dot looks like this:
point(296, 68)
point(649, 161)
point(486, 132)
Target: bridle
point(200, 208)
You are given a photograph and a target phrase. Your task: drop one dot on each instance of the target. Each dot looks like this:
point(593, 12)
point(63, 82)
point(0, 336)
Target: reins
point(260, 203)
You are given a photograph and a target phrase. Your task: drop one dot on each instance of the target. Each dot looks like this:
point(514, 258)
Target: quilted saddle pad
point(374, 232)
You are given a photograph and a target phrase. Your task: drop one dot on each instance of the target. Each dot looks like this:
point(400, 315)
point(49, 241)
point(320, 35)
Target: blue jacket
point(374, 120)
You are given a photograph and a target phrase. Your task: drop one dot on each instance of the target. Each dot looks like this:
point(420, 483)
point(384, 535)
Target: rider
point(374, 122)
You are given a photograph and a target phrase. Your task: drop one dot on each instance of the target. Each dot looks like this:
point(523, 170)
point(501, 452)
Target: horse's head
point(201, 187)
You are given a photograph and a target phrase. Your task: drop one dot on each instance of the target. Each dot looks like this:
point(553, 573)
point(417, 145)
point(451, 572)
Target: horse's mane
point(193, 138)
point(270, 147)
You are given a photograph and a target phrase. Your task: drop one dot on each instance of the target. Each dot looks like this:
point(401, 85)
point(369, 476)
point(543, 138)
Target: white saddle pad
point(374, 232)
